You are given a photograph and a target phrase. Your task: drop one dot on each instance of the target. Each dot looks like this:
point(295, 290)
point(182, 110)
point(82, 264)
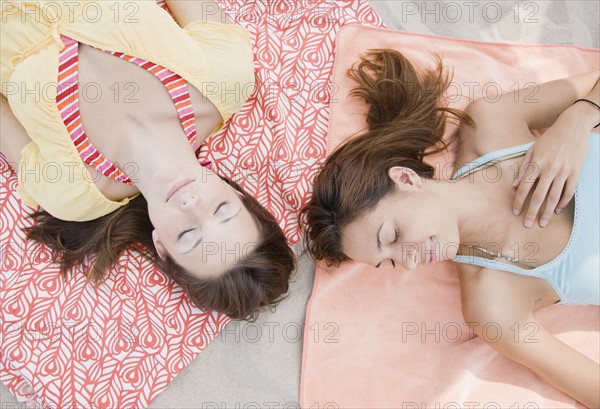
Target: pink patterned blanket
point(120, 343)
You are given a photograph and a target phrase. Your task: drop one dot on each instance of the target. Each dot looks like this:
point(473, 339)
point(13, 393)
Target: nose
point(409, 260)
point(188, 200)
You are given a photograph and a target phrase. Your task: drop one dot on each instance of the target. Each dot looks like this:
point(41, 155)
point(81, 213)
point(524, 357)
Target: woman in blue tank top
point(376, 201)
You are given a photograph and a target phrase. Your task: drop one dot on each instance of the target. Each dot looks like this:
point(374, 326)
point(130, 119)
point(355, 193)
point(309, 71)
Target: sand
point(251, 365)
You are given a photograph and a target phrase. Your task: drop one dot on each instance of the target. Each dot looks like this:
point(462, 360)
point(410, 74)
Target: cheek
point(431, 211)
point(348, 244)
point(162, 219)
point(152, 215)
point(439, 218)
point(155, 216)
point(419, 222)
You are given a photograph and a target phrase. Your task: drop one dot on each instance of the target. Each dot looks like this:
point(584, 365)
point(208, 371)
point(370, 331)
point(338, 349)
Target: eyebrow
point(379, 242)
point(220, 205)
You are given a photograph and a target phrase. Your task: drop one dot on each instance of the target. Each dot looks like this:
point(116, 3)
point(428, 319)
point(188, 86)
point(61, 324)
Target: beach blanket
point(119, 344)
point(386, 338)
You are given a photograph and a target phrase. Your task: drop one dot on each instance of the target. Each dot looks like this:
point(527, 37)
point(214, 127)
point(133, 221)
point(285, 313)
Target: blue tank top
point(575, 273)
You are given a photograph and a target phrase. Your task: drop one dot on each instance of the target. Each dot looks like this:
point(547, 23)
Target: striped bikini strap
point(67, 99)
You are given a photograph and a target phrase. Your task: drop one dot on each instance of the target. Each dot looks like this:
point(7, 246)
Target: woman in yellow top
point(206, 232)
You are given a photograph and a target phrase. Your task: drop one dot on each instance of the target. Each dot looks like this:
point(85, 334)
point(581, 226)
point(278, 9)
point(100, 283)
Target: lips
point(177, 186)
point(430, 252)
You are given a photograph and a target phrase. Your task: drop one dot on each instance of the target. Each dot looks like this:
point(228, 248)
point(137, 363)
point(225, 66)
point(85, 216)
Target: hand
point(554, 161)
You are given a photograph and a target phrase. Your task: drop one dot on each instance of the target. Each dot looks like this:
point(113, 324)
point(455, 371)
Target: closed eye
point(219, 207)
point(183, 232)
point(394, 242)
point(396, 237)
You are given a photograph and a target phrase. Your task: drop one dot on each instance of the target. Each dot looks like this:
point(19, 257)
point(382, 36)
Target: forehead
point(359, 238)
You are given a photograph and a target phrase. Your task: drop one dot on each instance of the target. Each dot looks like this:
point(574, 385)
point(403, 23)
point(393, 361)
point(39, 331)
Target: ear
point(406, 179)
point(160, 248)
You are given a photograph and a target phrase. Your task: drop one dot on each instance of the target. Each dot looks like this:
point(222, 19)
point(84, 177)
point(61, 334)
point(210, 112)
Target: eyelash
point(396, 236)
point(184, 232)
point(189, 230)
point(219, 207)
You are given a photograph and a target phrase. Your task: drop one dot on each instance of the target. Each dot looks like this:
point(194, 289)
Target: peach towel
point(384, 338)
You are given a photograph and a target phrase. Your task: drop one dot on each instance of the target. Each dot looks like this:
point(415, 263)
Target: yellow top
point(213, 57)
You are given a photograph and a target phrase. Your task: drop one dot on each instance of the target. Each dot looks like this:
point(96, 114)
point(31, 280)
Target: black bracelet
point(591, 102)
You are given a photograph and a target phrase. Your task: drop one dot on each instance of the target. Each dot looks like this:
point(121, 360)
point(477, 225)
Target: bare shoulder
point(189, 11)
point(492, 283)
point(493, 294)
point(491, 132)
point(489, 294)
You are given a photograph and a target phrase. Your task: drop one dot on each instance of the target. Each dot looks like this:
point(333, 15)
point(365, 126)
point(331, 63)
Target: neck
point(474, 212)
point(158, 158)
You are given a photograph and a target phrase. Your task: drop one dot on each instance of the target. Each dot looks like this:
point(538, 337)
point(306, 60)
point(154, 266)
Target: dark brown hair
point(258, 280)
point(406, 121)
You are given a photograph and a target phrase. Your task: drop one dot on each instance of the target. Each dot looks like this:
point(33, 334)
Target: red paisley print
point(119, 343)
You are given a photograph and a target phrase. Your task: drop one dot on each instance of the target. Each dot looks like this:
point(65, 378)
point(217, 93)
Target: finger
point(553, 197)
point(525, 164)
point(537, 199)
point(524, 188)
point(568, 193)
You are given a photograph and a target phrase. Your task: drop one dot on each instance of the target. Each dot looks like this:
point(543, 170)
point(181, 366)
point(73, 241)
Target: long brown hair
point(406, 122)
point(258, 280)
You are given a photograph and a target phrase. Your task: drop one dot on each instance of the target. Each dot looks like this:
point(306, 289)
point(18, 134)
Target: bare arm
point(506, 302)
point(558, 364)
point(555, 362)
point(542, 109)
point(557, 97)
point(188, 11)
